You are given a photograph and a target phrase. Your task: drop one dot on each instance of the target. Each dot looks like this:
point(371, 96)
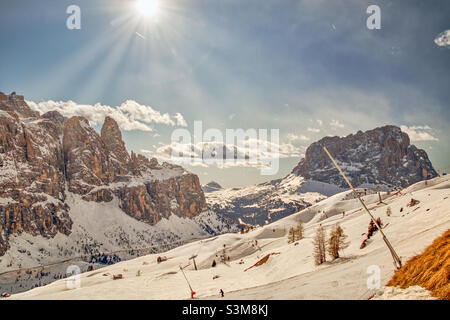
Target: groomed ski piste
point(289, 272)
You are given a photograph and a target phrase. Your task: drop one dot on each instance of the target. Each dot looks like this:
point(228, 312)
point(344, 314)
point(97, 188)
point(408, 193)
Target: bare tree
point(336, 241)
point(291, 235)
point(298, 232)
point(319, 246)
point(388, 211)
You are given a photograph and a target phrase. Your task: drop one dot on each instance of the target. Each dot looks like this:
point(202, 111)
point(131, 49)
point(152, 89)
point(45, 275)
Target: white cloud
point(320, 122)
point(180, 120)
point(443, 39)
point(313, 130)
point(293, 137)
point(130, 115)
point(261, 151)
point(418, 133)
point(420, 127)
point(336, 123)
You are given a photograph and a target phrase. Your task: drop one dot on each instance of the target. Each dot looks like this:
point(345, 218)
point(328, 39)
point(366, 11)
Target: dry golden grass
point(430, 270)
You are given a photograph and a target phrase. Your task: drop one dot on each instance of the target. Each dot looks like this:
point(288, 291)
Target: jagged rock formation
point(40, 154)
point(31, 179)
point(16, 104)
point(98, 166)
point(382, 156)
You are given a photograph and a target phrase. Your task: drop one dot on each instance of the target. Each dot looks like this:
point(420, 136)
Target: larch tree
point(298, 232)
point(291, 235)
point(337, 241)
point(319, 246)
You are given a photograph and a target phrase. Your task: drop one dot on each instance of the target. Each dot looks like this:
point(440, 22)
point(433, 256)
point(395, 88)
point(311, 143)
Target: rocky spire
point(118, 158)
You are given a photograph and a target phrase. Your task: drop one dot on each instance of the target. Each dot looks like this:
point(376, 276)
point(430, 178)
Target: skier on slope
point(222, 294)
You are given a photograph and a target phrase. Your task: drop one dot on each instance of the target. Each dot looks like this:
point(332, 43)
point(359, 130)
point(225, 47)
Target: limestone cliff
point(40, 155)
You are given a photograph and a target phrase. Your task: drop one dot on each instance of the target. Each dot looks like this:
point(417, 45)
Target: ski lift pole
point(192, 291)
point(397, 260)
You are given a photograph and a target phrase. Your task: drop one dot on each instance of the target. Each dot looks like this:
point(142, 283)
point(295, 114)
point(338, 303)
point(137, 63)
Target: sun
point(149, 8)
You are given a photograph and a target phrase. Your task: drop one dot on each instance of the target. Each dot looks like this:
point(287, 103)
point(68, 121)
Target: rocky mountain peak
point(55, 116)
point(382, 156)
point(17, 104)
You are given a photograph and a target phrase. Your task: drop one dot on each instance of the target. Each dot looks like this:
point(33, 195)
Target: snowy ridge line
point(182, 242)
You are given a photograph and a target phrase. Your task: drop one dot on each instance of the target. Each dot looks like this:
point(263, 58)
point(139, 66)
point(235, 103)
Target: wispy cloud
point(130, 115)
point(180, 120)
point(313, 130)
point(419, 133)
point(336, 124)
point(292, 137)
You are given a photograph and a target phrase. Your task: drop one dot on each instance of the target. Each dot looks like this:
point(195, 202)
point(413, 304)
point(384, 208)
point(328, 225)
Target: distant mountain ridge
point(382, 156)
point(269, 201)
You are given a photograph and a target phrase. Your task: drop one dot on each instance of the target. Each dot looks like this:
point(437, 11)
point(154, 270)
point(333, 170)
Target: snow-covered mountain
point(380, 157)
point(289, 271)
point(70, 193)
point(267, 202)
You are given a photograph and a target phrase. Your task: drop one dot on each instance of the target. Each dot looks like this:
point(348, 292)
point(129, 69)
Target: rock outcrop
point(159, 199)
point(382, 156)
point(15, 103)
point(39, 155)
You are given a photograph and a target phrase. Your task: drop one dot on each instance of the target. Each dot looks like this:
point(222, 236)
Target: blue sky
point(309, 68)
